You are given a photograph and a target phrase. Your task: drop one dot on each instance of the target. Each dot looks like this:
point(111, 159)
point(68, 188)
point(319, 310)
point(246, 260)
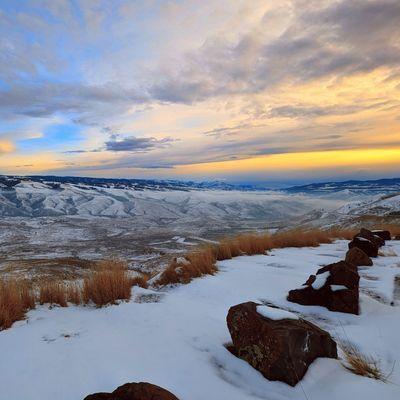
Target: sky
point(255, 91)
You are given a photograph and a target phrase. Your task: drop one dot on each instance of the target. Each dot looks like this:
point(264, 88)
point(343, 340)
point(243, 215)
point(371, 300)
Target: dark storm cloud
point(134, 144)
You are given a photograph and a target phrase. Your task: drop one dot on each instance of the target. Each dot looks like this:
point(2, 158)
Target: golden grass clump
point(199, 262)
point(361, 364)
point(74, 293)
point(108, 283)
point(16, 298)
point(53, 293)
point(140, 281)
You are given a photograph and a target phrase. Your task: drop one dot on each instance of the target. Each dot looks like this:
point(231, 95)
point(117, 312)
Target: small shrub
point(16, 298)
point(361, 364)
point(53, 293)
point(108, 283)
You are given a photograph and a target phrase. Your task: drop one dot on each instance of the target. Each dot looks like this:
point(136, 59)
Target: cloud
point(134, 144)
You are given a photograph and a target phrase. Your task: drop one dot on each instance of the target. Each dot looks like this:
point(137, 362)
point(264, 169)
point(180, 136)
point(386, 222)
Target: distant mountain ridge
point(378, 186)
point(10, 181)
point(383, 186)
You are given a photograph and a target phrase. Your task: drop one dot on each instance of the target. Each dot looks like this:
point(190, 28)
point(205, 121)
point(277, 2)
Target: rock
point(335, 287)
point(135, 391)
point(357, 257)
point(385, 235)
point(365, 233)
point(397, 237)
point(364, 244)
point(281, 349)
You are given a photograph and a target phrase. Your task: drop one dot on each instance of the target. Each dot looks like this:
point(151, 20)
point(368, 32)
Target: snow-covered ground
point(175, 338)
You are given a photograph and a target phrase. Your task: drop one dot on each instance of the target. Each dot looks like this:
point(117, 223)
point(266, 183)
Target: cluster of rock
point(278, 343)
point(336, 286)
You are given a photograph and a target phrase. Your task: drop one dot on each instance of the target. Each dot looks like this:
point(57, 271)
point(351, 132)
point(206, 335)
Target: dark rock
point(365, 233)
point(364, 244)
point(335, 287)
point(357, 257)
point(280, 349)
point(385, 235)
point(135, 391)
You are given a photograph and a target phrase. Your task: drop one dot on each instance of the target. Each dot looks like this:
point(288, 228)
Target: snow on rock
point(275, 313)
point(320, 280)
point(176, 338)
point(336, 288)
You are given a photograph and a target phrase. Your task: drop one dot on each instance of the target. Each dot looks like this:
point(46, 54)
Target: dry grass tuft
point(74, 293)
point(361, 364)
point(53, 293)
point(16, 298)
point(140, 281)
point(199, 262)
point(108, 283)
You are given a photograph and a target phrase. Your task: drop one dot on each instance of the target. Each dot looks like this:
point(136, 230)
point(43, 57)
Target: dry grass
point(199, 262)
point(361, 364)
point(53, 293)
point(108, 283)
point(74, 293)
point(16, 298)
point(202, 261)
point(140, 281)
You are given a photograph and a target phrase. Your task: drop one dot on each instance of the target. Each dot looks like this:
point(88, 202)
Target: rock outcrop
point(335, 287)
point(357, 257)
point(281, 347)
point(135, 391)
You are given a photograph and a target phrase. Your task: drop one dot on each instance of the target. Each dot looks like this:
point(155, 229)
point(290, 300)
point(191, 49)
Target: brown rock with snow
point(366, 233)
point(366, 245)
point(135, 391)
point(281, 349)
point(357, 257)
point(335, 287)
point(385, 235)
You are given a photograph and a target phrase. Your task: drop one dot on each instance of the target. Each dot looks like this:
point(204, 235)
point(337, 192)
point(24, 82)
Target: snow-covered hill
point(368, 187)
point(29, 198)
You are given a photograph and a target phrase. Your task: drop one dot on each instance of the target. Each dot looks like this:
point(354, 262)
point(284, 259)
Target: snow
point(175, 337)
point(336, 288)
point(275, 314)
point(182, 260)
point(320, 280)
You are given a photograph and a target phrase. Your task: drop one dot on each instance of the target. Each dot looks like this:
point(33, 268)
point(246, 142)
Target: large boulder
point(355, 256)
point(135, 391)
point(385, 235)
point(367, 246)
point(277, 343)
point(335, 287)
